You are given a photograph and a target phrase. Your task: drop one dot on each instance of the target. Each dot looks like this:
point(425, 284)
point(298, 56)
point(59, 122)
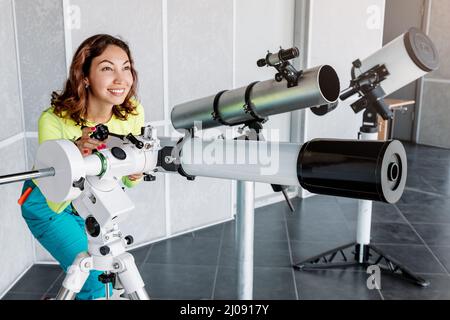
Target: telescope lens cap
point(421, 50)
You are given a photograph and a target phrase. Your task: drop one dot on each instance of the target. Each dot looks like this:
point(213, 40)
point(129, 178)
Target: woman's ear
point(86, 83)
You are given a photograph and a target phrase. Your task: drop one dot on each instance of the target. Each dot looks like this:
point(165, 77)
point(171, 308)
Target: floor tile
point(273, 231)
point(266, 254)
point(268, 284)
point(381, 212)
point(334, 285)
point(443, 254)
point(140, 254)
point(209, 232)
point(393, 233)
point(417, 258)
point(317, 208)
point(393, 288)
point(318, 231)
point(38, 279)
point(434, 234)
point(171, 281)
point(22, 296)
point(186, 250)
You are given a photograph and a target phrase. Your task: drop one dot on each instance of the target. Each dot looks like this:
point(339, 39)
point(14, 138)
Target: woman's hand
point(135, 177)
point(86, 144)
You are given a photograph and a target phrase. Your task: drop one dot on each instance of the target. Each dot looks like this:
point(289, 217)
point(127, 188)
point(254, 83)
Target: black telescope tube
point(368, 170)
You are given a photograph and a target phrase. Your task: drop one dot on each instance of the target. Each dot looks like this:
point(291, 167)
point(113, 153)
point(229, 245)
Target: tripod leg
point(77, 275)
point(396, 268)
point(130, 278)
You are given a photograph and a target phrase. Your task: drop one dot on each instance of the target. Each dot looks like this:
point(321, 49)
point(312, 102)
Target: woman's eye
point(127, 68)
point(107, 69)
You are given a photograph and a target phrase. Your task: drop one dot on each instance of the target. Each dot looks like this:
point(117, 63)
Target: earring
point(86, 86)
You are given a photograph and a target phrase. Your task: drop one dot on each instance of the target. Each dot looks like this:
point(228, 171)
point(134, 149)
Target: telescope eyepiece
point(274, 59)
point(261, 62)
point(289, 54)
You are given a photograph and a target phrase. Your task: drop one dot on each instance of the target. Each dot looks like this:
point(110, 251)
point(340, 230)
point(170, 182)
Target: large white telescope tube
point(70, 168)
point(370, 170)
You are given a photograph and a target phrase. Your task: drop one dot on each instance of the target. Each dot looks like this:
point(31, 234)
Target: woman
point(101, 89)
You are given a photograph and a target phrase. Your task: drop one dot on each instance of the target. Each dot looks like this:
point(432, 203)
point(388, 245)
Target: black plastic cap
point(367, 170)
point(118, 153)
point(421, 50)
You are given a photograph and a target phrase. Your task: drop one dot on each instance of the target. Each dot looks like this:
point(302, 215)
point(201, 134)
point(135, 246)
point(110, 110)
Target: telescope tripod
point(118, 265)
point(104, 204)
point(363, 249)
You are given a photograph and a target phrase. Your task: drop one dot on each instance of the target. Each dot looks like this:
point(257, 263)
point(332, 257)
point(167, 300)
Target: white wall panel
point(16, 253)
point(339, 33)
point(139, 23)
point(200, 63)
point(263, 26)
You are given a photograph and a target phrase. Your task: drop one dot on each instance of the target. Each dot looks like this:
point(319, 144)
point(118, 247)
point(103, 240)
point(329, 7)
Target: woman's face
point(110, 78)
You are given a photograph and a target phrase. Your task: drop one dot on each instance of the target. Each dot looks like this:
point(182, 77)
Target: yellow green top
point(53, 127)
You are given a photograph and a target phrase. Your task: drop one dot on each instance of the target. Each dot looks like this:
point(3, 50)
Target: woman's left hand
point(135, 177)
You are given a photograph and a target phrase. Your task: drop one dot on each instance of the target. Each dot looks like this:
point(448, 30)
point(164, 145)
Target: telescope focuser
point(280, 61)
point(368, 86)
point(101, 132)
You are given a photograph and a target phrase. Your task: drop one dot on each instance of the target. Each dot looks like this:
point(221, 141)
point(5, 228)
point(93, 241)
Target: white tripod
point(106, 244)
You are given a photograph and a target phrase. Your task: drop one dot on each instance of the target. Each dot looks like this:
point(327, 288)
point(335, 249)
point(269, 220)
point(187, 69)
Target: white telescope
point(407, 58)
point(402, 61)
point(374, 170)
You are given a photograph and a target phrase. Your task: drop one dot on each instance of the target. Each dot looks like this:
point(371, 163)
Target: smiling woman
point(102, 81)
point(101, 89)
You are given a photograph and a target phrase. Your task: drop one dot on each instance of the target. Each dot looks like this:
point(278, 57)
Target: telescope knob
point(129, 240)
point(79, 184)
point(149, 177)
point(101, 132)
point(278, 77)
point(104, 250)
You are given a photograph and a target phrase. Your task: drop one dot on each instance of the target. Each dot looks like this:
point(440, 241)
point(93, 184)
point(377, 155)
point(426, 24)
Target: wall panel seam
point(165, 46)
point(19, 77)
point(67, 35)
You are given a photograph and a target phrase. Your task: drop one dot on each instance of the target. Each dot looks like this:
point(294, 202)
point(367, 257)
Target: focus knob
point(129, 240)
point(104, 250)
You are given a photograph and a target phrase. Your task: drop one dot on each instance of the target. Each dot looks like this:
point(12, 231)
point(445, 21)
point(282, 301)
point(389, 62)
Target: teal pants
point(63, 235)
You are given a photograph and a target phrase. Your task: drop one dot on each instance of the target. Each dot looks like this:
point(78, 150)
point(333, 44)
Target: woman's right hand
point(86, 144)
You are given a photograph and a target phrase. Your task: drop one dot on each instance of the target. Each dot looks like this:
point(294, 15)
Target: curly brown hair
point(72, 102)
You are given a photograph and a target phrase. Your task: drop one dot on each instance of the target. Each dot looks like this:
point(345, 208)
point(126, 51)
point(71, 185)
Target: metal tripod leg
point(123, 266)
point(398, 269)
point(76, 276)
point(387, 264)
point(245, 222)
point(326, 260)
point(130, 277)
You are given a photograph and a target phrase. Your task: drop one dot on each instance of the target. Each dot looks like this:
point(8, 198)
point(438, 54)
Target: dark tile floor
point(201, 265)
